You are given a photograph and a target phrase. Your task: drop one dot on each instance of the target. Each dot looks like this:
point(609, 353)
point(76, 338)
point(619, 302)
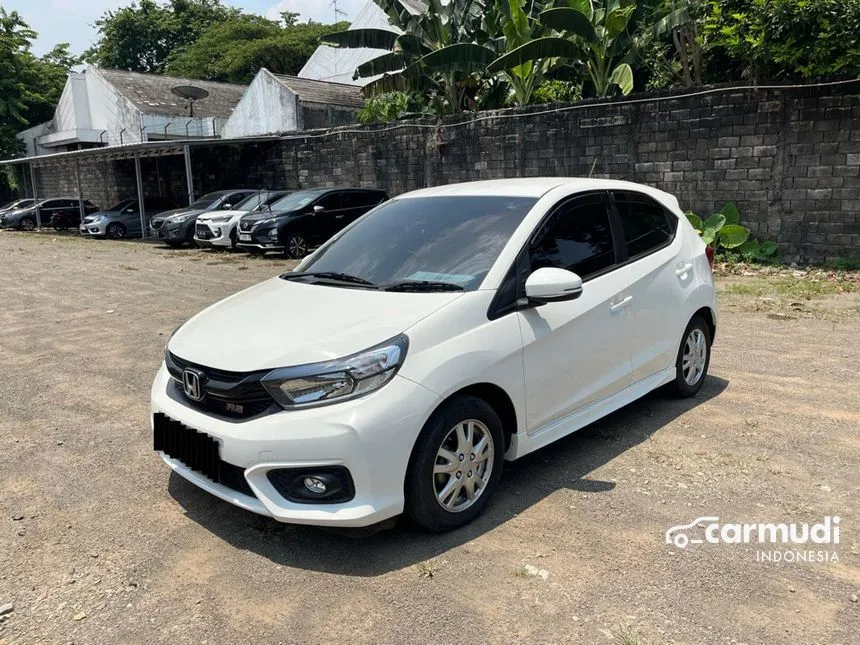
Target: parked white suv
point(445, 331)
point(218, 228)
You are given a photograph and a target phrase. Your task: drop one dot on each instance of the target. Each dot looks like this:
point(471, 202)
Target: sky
point(71, 21)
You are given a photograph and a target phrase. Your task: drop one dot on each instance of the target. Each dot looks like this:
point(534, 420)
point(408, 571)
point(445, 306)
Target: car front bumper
point(218, 234)
point(372, 437)
point(173, 231)
point(259, 238)
point(94, 229)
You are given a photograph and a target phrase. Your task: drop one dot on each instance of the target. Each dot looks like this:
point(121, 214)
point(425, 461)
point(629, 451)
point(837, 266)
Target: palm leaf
point(622, 76)
point(353, 38)
point(570, 20)
point(465, 57)
point(550, 47)
point(380, 65)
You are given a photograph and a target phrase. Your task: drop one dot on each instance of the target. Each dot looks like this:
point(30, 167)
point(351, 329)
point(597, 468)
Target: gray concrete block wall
point(789, 157)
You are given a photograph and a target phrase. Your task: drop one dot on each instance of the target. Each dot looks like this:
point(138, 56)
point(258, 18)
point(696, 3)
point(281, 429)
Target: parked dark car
point(16, 204)
point(25, 218)
point(176, 227)
point(123, 219)
point(305, 219)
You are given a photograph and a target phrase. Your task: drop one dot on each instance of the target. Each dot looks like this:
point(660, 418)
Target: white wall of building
point(267, 107)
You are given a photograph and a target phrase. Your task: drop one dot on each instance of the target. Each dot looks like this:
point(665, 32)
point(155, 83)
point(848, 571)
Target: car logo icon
point(192, 384)
point(677, 534)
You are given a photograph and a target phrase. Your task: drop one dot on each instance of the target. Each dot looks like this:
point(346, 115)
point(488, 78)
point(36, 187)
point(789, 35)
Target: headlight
point(273, 234)
point(180, 218)
point(340, 380)
point(264, 221)
point(97, 219)
point(220, 219)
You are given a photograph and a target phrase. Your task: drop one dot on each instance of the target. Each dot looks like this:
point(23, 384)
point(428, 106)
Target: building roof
point(151, 93)
point(311, 91)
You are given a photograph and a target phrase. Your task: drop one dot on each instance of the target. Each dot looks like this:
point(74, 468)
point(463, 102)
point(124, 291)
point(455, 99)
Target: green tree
point(29, 86)
point(142, 36)
point(234, 50)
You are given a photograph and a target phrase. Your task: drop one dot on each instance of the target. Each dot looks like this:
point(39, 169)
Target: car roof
point(534, 187)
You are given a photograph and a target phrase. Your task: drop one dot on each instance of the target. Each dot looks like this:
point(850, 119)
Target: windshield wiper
point(329, 276)
point(420, 285)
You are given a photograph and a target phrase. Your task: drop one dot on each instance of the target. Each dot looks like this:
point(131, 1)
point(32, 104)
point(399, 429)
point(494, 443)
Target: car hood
point(208, 216)
point(280, 323)
point(178, 211)
point(256, 217)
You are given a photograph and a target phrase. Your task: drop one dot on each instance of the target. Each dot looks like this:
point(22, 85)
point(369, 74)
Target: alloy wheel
point(297, 246)
point(27, 224)
point(463, 465)
point(695, 356)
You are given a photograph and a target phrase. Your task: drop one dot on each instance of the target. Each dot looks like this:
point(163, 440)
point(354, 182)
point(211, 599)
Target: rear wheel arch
point(706, 314)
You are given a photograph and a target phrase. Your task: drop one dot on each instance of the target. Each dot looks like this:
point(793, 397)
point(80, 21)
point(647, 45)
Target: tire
point(115, 231)
point(60, 225)
point(295, 246)
point(27, 224)
point(234, 239)
point(688, 381)
point(424, 487)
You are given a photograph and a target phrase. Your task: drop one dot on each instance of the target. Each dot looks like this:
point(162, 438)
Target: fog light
point(315, 485)
point(273, 234)
point(216, 232)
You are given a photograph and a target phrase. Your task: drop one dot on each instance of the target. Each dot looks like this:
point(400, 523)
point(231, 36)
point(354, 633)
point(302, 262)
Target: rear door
point(355, 203)
point(659, 277)
point(577, 352)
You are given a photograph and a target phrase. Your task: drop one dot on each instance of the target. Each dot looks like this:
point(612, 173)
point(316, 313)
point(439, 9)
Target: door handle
point(684, 268)
point(618, 306)
point(338, 216)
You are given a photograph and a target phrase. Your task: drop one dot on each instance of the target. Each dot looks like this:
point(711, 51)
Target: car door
point(321, 226)
point(354, 204)
point(660, 279)
point(576, 353)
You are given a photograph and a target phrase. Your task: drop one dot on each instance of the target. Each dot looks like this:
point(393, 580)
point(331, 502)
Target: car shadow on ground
point(564, 464)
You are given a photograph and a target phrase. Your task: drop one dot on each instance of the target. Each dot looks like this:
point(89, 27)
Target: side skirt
point(523, 443)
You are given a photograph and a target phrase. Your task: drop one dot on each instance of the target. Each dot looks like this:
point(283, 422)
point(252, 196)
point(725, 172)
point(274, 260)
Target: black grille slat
point(198, 451)
point(234, 395)
point(204, 232)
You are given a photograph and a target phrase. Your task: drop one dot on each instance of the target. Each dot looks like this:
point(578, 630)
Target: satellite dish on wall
point(190, 93)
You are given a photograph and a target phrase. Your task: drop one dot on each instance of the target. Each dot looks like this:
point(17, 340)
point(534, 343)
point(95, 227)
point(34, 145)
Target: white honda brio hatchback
point(442, 333)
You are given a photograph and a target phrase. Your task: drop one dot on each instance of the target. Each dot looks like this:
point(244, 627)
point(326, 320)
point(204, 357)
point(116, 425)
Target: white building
point(101, 107)
point(275, 103)
point(339, 64)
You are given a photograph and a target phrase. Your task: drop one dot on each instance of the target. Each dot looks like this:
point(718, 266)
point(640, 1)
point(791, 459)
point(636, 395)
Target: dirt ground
point(99, 543)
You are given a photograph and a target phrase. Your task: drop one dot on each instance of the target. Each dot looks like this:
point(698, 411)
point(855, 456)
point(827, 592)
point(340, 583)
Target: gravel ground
point(99, 543)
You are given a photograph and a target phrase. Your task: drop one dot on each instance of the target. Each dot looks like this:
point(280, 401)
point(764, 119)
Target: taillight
point(709, 251)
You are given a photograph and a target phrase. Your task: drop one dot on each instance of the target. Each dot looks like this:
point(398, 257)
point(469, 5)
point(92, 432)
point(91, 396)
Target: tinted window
point(448, 239)
point(122, 205)
point(207, 200)
point(644, 222)
point(577, 237)
point(359, 199)
point(330, 202)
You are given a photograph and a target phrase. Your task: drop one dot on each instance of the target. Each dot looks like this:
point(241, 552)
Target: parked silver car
point(123, 219)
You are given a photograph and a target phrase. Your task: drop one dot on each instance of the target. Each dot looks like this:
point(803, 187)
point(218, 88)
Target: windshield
point(207, 200)
point(441, 239)
point(250, 203)
point(295, 201)
point(122, 205)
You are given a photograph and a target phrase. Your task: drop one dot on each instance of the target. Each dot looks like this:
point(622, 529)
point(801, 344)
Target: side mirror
point(226, 207)
point(553, 285)
point(319, 209)
point(130, 209)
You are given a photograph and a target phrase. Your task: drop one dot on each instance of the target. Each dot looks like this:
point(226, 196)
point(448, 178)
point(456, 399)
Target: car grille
point(198, 451)
point(230, 395)
point(156, 223)
point(204, 232)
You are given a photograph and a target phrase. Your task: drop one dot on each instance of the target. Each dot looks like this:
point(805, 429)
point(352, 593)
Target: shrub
point(723, 232)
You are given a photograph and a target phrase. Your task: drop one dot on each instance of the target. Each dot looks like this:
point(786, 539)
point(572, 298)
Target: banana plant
point(723, 230)
point(421, 27)
point(604, 54)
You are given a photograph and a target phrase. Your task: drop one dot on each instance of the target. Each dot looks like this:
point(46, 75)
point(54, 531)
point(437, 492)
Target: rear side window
point(577, 237)
point(330, 202)
point(359, 199)
point(646, 224)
